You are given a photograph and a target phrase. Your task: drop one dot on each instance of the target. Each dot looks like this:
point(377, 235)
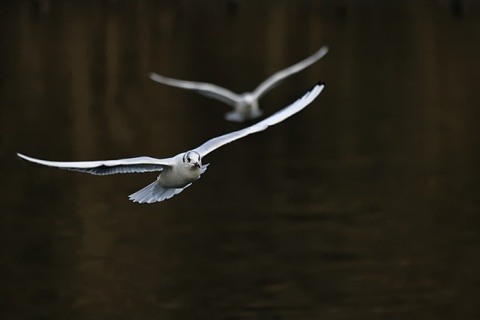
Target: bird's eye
point(188, 159)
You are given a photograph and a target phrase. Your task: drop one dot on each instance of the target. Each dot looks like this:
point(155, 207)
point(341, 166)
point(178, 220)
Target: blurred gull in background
point(246, 104)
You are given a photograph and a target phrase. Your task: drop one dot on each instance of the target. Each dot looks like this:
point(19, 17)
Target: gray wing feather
point(106, 167)
point(277, 77)
point(106, 170)
point(207, 89)
point(277, 117)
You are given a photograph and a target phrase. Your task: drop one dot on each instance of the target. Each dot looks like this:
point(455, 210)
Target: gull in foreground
point(178, 172)
point(245, 105)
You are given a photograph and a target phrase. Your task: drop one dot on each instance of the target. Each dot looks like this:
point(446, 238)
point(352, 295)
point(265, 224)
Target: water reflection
point(363, 206)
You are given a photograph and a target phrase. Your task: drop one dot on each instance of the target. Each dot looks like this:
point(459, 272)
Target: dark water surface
point(366, 205)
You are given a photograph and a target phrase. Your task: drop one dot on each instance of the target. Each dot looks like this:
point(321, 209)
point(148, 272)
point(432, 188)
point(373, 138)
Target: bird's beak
point(196, 164)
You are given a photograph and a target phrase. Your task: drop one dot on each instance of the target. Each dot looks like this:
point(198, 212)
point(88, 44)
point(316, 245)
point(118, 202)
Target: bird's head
point(192, 159)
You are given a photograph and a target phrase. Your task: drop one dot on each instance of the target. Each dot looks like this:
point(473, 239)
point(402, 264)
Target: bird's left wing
point(277, 77)
point(275, 118)
point(207, 89)
point(105, 167)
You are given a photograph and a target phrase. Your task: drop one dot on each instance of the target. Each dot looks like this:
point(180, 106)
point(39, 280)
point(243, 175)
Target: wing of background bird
point(281, 75)
point(105, 167)
point(206, 89)
point(275, 118)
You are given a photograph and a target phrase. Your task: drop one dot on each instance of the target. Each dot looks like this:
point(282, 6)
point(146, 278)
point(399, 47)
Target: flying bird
point(180, 171)
point(245, 105)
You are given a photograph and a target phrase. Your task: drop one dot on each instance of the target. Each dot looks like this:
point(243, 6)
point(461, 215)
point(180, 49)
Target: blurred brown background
point(366, 205)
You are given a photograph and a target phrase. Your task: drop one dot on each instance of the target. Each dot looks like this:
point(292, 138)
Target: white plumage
point(245, 105)
point(180, 171)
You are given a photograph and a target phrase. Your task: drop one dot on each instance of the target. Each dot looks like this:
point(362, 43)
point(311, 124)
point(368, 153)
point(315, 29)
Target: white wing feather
point(105, 167)
point(206, 89)
point(275, 118)
point(277, 77)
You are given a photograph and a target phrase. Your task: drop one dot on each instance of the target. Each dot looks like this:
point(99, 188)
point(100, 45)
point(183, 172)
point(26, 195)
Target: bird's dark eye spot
point(188, 159)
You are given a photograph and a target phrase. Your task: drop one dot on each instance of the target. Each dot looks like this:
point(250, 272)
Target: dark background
point(366, 205)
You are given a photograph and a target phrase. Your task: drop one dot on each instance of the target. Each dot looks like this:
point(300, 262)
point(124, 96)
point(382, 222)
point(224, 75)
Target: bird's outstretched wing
point(275, 118)
point(206, 89)
point(105, 167)
point(277, 77)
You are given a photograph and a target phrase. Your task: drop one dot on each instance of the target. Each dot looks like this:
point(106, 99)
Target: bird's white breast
point(178, 176)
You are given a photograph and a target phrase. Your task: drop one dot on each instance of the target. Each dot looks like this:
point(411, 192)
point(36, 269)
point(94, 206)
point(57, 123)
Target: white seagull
point(178, 172)
point(245, 105)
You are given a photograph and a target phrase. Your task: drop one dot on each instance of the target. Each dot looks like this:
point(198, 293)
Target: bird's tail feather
point(154, 193)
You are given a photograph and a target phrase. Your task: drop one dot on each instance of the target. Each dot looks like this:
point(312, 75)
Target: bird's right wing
point(206, 89)
point(275, 118)
point(105, 167)
point(281, 75)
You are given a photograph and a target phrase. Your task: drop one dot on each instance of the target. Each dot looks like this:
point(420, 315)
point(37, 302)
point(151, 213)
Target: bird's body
point(180, 175)
point(180, 171)
point(245, 105)
point(171, 181)
point(246, 108)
